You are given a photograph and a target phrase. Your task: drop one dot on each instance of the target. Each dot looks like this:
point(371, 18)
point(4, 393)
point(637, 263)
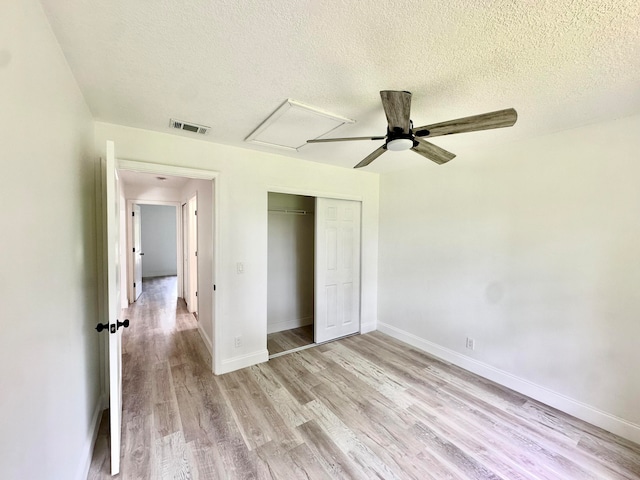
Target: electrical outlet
point(471, 343)
point(238, 342)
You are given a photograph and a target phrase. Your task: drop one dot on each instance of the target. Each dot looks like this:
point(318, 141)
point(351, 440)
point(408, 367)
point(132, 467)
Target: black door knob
point(124, 324)
point(102, 326)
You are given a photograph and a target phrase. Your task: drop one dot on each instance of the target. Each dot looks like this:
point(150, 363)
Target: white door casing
point(209, 244)
point(337, 269)
point(137, 252)
point(111, 196)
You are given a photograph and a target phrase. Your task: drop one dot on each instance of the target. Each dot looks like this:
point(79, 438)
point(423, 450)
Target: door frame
point(130, 262)
point(198, 174)
point(322, 194)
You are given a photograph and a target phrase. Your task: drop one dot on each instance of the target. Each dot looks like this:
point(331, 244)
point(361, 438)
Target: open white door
point(337, 269)
point(112, 228)
point(185, 253)
point(193, 255)
point(137, 252)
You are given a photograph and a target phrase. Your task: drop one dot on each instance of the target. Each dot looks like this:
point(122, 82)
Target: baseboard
point(243, 361)
point(288, 324)
point(87, 451)
point(367, 327)
point(599, 418)
point(205, 338)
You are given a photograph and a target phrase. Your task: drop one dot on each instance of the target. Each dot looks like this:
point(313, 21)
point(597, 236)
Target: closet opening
point(290, 272)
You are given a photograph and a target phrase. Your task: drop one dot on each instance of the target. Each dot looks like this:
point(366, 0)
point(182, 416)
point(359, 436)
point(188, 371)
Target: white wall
point(533, 250)
point(152, 194)
point(291, 259)
point(49, 350)
point(159, 240)
point(204, 190)
point(245, 178)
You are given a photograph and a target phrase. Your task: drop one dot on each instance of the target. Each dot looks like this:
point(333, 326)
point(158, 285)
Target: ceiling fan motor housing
point(399, 141)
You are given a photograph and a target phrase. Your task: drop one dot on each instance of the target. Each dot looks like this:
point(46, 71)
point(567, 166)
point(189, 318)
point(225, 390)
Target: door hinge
point(196, 213)
point(196, 294)
point(134, 284)
point(196, 253)
point(134, 249)
point(133, 214)
point(214, 287)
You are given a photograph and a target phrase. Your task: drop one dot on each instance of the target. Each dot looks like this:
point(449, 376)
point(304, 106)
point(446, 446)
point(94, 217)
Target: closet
point(313, 293)
point(290, 271)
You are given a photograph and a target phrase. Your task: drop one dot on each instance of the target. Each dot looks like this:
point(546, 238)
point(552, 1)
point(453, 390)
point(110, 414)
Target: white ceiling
point(229, 64)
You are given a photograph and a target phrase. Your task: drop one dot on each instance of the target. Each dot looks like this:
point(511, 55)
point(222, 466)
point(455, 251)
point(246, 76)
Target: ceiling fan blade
point(397, 108)
point(485, 121)
point(323, 140)
point(371, 157)
point(432, 152)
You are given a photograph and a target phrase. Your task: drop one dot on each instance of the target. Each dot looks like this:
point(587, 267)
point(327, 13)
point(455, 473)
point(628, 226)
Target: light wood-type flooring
point(363, 407)
point(289, 339)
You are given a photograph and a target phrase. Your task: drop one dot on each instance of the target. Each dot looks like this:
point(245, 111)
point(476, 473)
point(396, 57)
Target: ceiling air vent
point(189, 127)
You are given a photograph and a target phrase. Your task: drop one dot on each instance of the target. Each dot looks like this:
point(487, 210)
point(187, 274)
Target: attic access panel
point(292, 124)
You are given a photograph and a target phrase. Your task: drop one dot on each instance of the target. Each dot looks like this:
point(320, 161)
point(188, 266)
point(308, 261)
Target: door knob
point(102, 326)
point(141, 253)
point(124, 324)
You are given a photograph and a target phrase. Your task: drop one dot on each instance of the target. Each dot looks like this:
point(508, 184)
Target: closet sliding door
point(337, 269)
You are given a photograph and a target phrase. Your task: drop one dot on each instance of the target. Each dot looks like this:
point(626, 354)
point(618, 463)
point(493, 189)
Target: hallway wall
point(49, 350)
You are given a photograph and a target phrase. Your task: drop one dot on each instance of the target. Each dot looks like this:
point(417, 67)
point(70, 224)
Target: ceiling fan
point(402, 136)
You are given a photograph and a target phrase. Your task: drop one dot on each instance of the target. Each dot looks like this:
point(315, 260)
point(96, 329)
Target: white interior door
point(337, 269)
point(193, 254)
point(112, 227)
point(185, 253)
point(137, 252)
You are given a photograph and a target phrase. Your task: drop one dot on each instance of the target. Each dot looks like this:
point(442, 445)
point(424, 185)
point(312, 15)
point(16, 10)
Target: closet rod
point(290, 212)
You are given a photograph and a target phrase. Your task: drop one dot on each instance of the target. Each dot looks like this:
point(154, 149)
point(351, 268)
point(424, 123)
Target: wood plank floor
point(289, 339)
point(364, 407)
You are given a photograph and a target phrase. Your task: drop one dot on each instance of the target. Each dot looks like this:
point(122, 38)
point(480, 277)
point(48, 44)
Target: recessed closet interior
point(290, 277)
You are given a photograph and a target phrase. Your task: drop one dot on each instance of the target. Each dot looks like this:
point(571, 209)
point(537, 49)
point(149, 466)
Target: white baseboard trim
point(367, 327)
point(205, 338)
point(243, 361)
point(288, 324)
point(599, 418)
point(87, 451)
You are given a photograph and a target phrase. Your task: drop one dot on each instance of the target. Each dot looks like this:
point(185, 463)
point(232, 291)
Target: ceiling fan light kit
point(402, 136)
point(400, 144)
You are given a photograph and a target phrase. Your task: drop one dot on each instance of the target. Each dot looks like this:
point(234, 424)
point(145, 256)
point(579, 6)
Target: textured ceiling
point(229, 64)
